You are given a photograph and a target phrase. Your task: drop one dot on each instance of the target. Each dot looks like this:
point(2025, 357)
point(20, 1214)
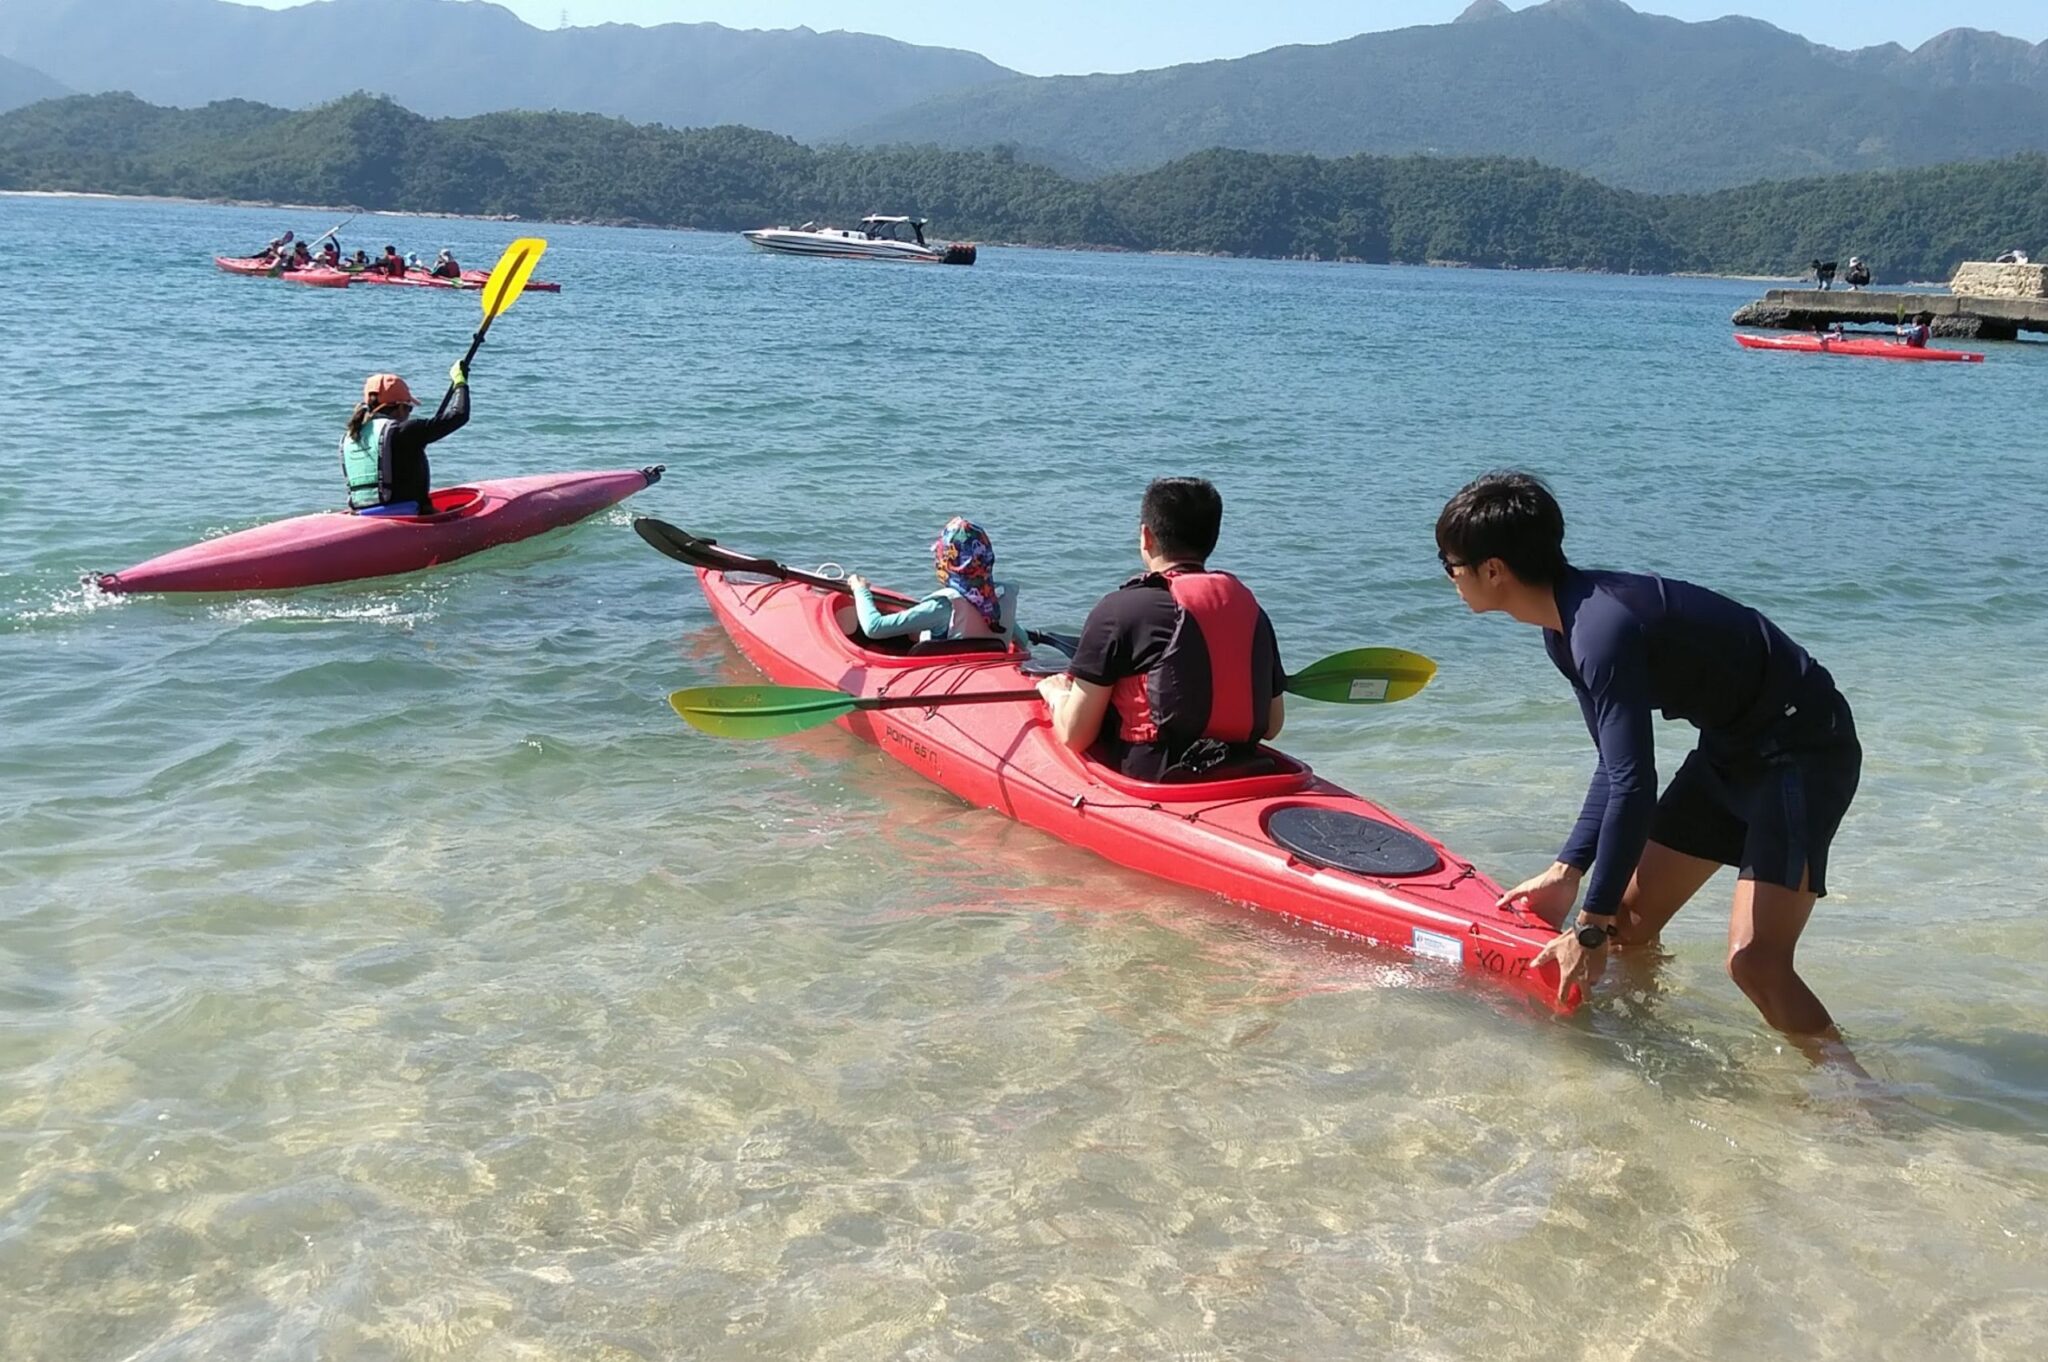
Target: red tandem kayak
point(1864, 347)
point(333, 546)
point(478, 278)
point(316, 276)
point(1403, 889)
point(411, 279)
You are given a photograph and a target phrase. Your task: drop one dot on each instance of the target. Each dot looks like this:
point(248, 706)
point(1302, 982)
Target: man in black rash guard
point(1177, 675)
point(1775, 769)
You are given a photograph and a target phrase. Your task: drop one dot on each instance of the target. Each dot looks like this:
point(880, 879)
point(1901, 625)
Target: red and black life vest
point(1215, 678)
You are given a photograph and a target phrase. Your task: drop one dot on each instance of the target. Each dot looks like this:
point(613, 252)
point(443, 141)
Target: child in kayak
point(1177, 672)
point(384, 450)
point(1916, 332)
point(1776, 766)
point(971, 603)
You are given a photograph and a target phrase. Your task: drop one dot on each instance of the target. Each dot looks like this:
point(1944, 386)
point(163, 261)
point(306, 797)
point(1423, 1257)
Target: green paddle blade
point(1363, 676)
point(759, 711)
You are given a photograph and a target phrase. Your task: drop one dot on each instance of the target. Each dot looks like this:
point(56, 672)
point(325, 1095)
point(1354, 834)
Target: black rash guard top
point(1634, 643)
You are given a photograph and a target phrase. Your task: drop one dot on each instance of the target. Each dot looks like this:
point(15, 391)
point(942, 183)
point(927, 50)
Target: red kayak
point(317, 278)
point(334, 546)
point(478, 278)
point(1865, 347)
point(410, 279)
point(1286, 841)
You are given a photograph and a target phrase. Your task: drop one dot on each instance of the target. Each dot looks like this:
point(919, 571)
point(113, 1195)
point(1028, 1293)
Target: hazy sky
point(1047, 37)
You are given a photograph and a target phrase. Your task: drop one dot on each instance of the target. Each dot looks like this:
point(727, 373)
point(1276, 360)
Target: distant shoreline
point(1014, 245)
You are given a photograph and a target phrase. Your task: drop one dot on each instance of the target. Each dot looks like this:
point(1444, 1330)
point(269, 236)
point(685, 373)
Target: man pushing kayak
point(1177, 672)
point(1775, 769)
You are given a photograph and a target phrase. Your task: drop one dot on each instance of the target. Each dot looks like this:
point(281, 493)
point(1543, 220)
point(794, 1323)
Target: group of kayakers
point(1177, 676)
point(289, 253)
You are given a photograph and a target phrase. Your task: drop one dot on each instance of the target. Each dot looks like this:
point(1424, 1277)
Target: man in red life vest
point(1177, 672)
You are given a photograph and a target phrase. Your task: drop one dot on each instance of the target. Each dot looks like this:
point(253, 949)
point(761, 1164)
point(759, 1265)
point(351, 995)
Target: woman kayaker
point(1916, 332)
point(384, 450)
point(277, 249)
point(970, 603)
point(330, 254)
point(445, 267)
point(301, 258)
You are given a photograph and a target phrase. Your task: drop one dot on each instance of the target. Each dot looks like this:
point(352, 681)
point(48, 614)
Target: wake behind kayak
point(334, 546)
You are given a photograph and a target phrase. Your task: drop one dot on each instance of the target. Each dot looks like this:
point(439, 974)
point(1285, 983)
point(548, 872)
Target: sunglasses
point(1451, 565)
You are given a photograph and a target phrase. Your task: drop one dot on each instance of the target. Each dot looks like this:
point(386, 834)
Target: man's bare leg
point(1664, 882)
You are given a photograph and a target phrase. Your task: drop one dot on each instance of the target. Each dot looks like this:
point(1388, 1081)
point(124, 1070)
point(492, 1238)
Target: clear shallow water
point(385, 974)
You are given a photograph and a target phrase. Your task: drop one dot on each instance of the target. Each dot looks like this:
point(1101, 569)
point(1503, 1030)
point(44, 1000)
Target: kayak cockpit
point(896, 651)
point(450, 503)
point(1266, 774)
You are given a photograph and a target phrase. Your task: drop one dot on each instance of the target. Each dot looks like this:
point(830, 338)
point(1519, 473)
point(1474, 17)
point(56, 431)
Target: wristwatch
point(1594, 935)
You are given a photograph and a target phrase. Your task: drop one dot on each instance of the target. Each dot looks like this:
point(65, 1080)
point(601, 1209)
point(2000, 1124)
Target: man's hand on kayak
point(1575, 965)
point(1054, 688)
point(1549, 895)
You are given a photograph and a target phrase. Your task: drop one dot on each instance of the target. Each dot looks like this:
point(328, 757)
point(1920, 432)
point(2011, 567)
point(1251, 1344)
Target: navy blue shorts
point(1770, 808)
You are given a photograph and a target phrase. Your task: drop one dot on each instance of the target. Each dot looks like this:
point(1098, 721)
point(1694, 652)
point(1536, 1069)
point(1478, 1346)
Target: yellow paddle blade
point(1363, 676)
point(509, 275)
point(759, 711)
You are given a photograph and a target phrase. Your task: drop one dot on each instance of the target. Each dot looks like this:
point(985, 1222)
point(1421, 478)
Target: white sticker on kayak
point(1437, 946)
point(1369, 688)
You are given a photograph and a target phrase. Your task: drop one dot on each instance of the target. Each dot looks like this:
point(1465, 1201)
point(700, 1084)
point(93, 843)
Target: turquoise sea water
point(385, 973)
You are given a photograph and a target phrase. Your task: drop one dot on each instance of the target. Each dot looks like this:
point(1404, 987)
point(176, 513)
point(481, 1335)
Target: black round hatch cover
point(1337, 840)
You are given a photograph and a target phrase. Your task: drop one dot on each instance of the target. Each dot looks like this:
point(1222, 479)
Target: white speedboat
point(877, 238)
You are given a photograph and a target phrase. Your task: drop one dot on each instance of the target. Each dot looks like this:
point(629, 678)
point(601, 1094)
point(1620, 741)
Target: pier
point(1984, 302)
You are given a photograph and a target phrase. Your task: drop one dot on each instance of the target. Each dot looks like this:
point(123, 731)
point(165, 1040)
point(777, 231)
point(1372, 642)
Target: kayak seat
point(1336, 840)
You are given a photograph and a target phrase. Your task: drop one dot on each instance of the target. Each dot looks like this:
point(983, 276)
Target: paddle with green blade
point(508, 281)
point(1361, 676)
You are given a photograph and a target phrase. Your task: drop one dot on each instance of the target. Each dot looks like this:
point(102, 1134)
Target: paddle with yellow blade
point(1361, 676)
point(508, 281)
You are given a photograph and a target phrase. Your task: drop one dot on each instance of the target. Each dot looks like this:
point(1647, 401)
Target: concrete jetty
point(1985, 301)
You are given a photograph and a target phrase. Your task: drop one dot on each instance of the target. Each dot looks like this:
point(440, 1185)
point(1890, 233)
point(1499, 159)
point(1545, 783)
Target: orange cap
point(387, 390)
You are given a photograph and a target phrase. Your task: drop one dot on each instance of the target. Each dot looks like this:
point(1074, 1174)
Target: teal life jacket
point(359, 462)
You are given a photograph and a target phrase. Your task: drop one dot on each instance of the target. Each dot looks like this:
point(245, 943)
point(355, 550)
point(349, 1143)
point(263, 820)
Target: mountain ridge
point(21, 84)
point(1634, 99)
point(467, 58)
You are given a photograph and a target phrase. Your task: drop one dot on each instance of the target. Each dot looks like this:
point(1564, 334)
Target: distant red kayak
point(334, 546)
point(1862, 347)
point(478, 278)
point(317, 278)
point(410, 279)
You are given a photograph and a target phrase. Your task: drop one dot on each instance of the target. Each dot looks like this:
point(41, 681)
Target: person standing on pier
point(1859, 273)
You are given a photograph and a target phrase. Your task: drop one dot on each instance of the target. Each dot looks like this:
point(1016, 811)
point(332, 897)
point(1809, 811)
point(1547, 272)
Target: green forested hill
point(370, 153)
